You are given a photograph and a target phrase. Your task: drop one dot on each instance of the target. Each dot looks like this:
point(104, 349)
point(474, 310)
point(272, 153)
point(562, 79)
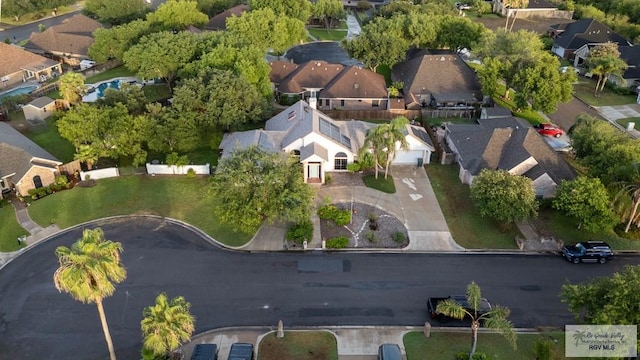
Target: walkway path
point(353, 27)
point(613, 113)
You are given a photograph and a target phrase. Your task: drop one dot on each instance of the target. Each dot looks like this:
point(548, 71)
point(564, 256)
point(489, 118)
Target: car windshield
point(580, 248)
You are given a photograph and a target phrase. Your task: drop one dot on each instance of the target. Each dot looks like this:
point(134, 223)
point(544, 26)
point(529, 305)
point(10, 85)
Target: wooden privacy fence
point(371, 114)
point(70, 168)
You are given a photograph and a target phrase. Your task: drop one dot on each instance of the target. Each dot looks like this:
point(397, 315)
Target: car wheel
point(558, 135)
point(602, 260)
point(576, 260)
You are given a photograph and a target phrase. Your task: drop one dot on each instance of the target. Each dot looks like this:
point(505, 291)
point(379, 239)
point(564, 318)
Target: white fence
point(99, 174)
point(153, 169)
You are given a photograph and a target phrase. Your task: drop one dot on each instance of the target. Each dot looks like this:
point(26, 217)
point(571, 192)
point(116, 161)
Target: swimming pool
point(18, 91)
point(104, 86)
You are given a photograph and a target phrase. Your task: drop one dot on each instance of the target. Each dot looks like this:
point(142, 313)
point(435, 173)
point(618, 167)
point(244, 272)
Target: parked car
point(389, 352)
point(205, 352)
point(241, 351)
point(461, 6)
point(549, 130)
point(588, 251)
point(432, 305)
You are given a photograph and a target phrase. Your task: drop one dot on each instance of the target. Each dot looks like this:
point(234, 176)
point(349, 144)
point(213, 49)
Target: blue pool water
point(18, 91)
point(111, 84)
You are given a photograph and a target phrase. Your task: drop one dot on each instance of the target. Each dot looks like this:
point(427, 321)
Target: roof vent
point(355, 73)
point(355, 86)
point(442, 58)
point(318, 64)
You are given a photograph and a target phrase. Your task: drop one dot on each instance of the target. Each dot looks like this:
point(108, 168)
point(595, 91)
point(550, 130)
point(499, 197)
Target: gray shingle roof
point(585, 31)
point(421, 134)
point(18, 153)
point(41, 102)
point(313, 149)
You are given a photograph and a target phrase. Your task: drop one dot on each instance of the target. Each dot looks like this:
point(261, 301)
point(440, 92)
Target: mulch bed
point(359, 232)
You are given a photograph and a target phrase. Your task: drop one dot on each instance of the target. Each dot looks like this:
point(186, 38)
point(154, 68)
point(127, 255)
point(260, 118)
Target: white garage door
point(408, 157)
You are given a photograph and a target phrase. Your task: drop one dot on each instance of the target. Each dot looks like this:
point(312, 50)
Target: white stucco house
point(323, 144)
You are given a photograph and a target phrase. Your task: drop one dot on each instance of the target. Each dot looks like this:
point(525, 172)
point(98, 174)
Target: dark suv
point(588, 251)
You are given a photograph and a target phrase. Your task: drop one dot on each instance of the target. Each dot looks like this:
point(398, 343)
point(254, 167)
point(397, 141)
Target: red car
point(549, 130)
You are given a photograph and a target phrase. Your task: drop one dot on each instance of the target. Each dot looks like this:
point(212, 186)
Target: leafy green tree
point(166, 326)
point(88, 271)
point(71, 87)
point(542, 85)
point(131, 96)
point(381, 41)
point(504, 197)
point(17, 8)
point(114, 42)
point(215, 7)
point(420, 29)
point(606, 300)
point(605, 62)
point(296, 9)
point(161, 55)
point(258, 186)
point(329, 11)
point(495, 318)
point(222, 100)
point(587, 200)
point(175, 15)
point(490, 75)
point(457, 33)
point(116, 11)
point(264, 29)
point(172, 130)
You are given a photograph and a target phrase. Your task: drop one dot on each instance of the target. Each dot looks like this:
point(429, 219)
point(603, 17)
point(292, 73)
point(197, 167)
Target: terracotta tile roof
point(280, 70)
point(14, 59)
point(219, 22)
point(313, 74)
point(72, 36)
point(354, 82)
point(445, 76)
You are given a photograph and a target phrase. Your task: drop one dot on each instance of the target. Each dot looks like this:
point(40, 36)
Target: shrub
point(338, 216)
point(476, 356)
point(371, 236)
point(328, 179)
point(191, 173)
point(339, 242)
point(300, 232)
point(62, 180)
point(543, 349)
point(398, 237)
point(353, 167)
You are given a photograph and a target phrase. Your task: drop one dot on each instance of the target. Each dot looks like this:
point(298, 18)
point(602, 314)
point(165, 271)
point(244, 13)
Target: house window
point(341, 102)
point(326, 102)
point(375, 103)
point(37, 182)
point(340, 161)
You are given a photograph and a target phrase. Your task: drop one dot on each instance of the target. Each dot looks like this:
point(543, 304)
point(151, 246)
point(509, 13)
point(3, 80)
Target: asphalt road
point(19, 33)
point(229, 288)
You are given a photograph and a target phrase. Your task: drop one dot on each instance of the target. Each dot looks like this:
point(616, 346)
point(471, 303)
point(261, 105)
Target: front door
point(314, 173)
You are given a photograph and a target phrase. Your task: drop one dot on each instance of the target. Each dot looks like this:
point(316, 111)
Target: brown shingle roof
point(219, 22)
point(72, 36)
point(446, 76)
point(280, 70)
point(313, 74)
point(14, 59)
point(354, 82)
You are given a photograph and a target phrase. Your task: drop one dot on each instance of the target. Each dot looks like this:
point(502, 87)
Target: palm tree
point(165, 326)
point(514, 5)
point(375, 143)
point(495, 318)
point(395, 135)
point(627, 195)
point(605, 62)
point(88, 271)
point(86, 154)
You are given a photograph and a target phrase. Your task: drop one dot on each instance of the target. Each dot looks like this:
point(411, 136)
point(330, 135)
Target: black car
point(241, 351)
point(588, 251)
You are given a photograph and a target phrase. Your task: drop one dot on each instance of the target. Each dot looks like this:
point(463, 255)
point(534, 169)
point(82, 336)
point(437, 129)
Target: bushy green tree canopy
point(587, 200)
point(116, 11)
point(112, 43)
point(176, 15)
point(265, 29)
point(296, 9)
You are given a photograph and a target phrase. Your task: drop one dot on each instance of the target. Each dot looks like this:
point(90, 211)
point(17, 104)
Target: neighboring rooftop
point(73, 36)
point(586, 31)
point(219, 22)
point(14, 59)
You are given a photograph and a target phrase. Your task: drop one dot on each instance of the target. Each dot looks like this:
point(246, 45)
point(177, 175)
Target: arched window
point(340, 161)
point(37, 182)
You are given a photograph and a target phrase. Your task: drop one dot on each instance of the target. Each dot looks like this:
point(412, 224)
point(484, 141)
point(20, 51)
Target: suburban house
point(330, 86)
point(534, 8)
point(323, 144)
point(437, 80)
point(23, 165)
point(39, 109)
point(219, 22)
point(68, 42)
point(509, 144)
point(18, 66)
point(572, 41)
point(631, 76)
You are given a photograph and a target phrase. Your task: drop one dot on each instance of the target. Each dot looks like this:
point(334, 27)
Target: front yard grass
point(171, 196)
point(584, 90)
point(444, 346)
point(10, 229)
point(323, 34)
point(380, 184)
point(120, 71)
point(299, 345)
point(49, 139)
point(467, 227)
point(625, 121)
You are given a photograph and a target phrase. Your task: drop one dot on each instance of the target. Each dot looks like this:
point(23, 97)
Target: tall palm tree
point(165, 326)
point(605, 62)
point(496, 318)
point(514, 5)
point(375, 143)
point(627, 193)
point(88, 271)
point(395, 136)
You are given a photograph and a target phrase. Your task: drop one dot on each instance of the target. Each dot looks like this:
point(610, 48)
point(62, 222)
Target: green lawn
point(39, 15)
point(380, 184)
point(120, 71)
point(444, 346)
point(385, 71)
point(468, 228)
point(10, 229)
point(49, 139)
point(328, 35)
point(156, 92)
point(625, 121)
point(299, 345)
point(173, 196)
point(584, 90)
